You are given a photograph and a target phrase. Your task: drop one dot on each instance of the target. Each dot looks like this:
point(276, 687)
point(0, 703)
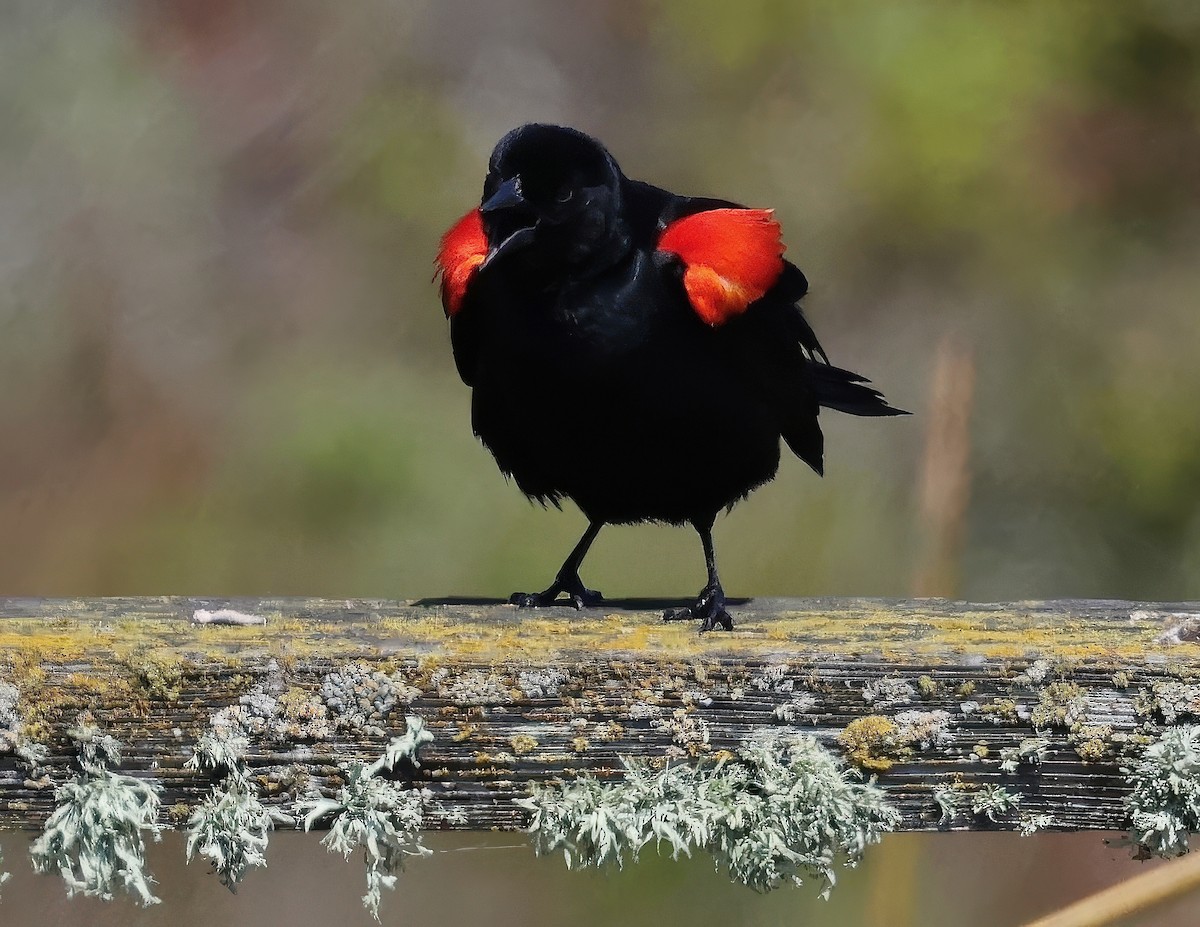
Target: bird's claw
point(708, 609)
point(578, 595)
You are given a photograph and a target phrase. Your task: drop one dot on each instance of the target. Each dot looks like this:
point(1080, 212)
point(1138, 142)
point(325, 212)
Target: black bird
point(638, 352)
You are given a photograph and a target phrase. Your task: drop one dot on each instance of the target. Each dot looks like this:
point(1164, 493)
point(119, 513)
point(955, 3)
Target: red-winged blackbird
point(635, 351)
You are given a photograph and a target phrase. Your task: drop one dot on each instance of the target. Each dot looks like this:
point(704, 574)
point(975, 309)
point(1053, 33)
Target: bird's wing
point(463, 249)
point(728, 261)
point(730, 258)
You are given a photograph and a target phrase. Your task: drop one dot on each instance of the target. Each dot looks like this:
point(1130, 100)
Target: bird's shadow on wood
point(627, 605)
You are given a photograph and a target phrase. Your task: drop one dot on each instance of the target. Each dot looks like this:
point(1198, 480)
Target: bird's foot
point(708, 609)
point(577, 594)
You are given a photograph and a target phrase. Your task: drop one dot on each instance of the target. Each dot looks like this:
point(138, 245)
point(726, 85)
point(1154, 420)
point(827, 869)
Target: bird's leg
point(709, 607)
point(567, 580)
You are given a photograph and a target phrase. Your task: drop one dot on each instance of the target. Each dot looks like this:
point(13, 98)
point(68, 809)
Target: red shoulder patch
point(731, 257)
point(463, 249)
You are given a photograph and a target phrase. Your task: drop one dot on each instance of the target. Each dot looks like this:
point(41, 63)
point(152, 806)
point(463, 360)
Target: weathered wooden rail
point(932, 696)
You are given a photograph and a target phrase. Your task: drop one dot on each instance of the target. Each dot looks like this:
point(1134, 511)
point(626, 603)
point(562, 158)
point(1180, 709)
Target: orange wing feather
point(731, 258)
point(463, 249)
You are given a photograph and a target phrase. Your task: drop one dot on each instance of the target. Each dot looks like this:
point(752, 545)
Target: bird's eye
point(564, 195)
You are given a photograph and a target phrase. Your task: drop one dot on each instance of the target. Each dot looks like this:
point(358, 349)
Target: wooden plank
point(928, 694)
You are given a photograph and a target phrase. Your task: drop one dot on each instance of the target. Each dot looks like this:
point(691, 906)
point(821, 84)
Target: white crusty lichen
point(1164, 806)
point(93, 838)
point(1031, 750)
point(361, 697)
point(773, 811)
point(376, 814)
point(1030, 824)
point(472, 687)
point(888, 692)
point(802, 703)
point(541, 683)
point(231, 826)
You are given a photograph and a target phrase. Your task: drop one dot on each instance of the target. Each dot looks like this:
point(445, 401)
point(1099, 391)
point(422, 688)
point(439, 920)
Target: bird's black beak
point(507, 196)
point(509, 201)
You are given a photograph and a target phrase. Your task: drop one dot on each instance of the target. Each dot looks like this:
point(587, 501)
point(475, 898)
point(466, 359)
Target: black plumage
point(594, 378)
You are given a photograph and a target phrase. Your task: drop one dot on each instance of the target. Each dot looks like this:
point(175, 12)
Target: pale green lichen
point(13, 732)
point(950, 802)
point(1171, 700)
point(230, 827)
point(376, 814)
point(93, 838)
point(773, 678)
point(1164, 805)
point(988, 801)
point(774, 811)
point(406, 748)
point(1061, 704)
point(994, 801)
point(220, 749)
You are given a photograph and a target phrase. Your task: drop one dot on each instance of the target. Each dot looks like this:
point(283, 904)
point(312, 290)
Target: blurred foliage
point(224, 368)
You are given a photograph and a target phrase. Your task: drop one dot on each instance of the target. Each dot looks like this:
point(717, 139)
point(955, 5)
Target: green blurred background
point(224, 368)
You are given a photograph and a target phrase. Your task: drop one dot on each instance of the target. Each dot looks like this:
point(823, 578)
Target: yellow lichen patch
point(608, 730)
point(1001, 711)
point(37, 644)
point(179, 813)
point(296, 704)
point(465, 732)
point(868, 741)
point(522, 744)
point(157, 677)
point(1093, 743)
point(84, 633)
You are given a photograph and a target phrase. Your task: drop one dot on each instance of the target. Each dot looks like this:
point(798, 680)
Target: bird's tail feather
point(846, 391)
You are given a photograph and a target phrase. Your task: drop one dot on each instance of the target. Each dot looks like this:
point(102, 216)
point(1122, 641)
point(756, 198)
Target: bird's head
point(552, 199)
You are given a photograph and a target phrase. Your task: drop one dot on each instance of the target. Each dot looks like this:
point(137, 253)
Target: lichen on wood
point(1046, 700)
